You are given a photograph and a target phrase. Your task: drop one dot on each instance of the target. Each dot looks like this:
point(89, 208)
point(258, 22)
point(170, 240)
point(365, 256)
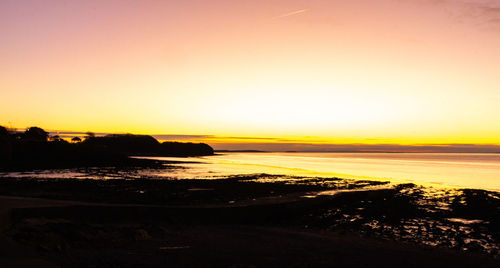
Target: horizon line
point(274, 144)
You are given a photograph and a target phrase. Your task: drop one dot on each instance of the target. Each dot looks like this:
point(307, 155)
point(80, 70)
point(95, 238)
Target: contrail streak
point(292, 13)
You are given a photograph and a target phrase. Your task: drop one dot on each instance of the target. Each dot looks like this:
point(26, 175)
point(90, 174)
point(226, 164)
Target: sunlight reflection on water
point(478, 171)
point(481, 171)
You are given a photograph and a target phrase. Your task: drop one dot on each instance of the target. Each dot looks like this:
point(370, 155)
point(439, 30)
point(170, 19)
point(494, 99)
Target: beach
point(250, 133)
point(246, 221)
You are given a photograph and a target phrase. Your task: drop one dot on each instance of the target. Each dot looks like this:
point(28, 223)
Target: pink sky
point(343, 72)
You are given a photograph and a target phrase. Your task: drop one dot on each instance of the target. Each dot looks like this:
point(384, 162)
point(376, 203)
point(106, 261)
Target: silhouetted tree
point(184, 149)
point(4, 132)
point(32, 149)
point(55, 138)
point(5, 145)
point(36, 134)
point(89, 135)
point(130, 144)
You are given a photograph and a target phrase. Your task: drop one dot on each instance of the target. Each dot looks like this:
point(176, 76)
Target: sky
point(402, 72)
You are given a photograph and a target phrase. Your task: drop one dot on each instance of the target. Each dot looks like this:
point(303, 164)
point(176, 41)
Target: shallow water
point(479, 171)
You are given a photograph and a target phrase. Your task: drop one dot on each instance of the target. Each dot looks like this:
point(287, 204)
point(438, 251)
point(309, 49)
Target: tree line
point(35, 146)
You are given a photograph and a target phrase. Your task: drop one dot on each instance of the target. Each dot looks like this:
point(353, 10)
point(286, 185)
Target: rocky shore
point(249, 221)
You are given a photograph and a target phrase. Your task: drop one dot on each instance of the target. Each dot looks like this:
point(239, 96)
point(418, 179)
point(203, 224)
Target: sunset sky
point(318, 71)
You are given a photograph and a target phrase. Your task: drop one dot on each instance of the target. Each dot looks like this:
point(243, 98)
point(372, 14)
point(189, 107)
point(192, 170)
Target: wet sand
point(105, 235)
point(237, 223)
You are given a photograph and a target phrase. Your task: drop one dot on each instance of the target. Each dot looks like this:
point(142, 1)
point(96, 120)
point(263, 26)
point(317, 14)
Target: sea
point(458, 170)
point(462, 170)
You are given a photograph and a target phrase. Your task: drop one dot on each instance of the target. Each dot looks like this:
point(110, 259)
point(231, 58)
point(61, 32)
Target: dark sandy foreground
point(243, 223)
point(76, 234)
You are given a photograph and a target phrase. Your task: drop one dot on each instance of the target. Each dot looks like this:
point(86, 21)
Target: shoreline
point(76, 215)
point(473, 171)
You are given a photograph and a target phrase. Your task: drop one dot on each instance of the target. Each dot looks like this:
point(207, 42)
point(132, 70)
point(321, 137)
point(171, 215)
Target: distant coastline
point(37, 148)
point(226, 144)
point(360, 152)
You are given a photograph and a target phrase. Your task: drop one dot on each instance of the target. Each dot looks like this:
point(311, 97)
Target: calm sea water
point(481, 171)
